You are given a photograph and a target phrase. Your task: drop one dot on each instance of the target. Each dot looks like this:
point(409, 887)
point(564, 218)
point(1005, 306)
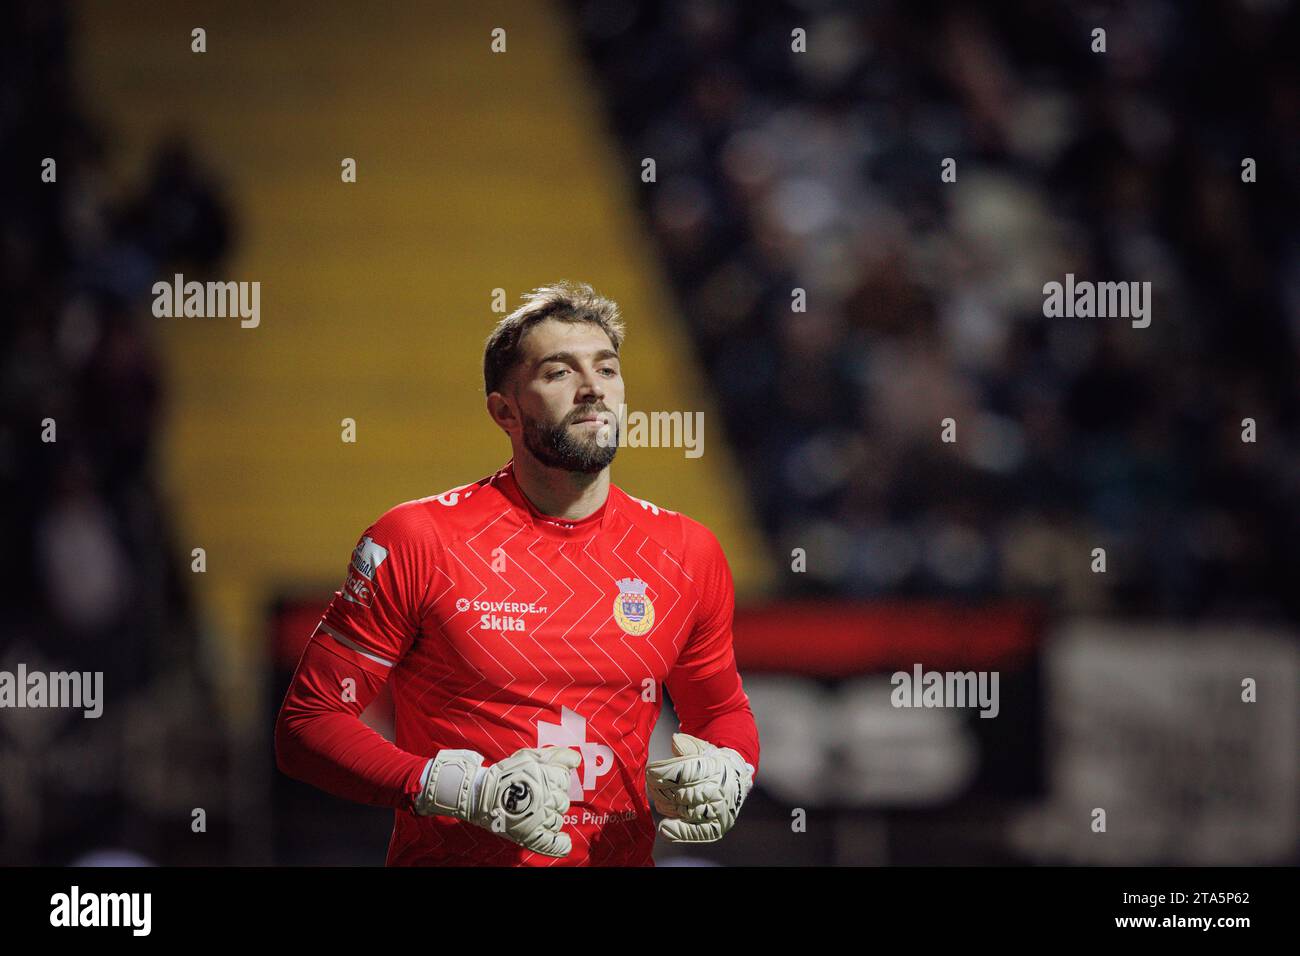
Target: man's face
point(567, 389)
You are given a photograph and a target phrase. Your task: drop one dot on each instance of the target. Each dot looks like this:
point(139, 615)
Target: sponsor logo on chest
point(633, 610)
point(500, 616)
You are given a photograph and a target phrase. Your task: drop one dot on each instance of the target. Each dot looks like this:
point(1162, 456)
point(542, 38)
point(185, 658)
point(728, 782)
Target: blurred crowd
point(94, 576)
point(820, 171)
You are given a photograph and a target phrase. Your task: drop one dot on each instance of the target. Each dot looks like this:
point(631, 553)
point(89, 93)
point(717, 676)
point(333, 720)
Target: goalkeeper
point(526, 623)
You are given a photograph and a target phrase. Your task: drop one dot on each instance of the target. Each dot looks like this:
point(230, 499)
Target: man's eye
point(551, 376)
point(608, 371)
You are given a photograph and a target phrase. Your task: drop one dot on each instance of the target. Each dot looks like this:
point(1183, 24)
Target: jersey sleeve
point(705, 684)
point(709, 648)
point(320, 738)
point(367, 629)
point(377, 612)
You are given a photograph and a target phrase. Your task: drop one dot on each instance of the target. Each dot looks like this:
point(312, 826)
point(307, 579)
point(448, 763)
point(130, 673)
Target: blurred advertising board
point(1185, 736)
point(843, 696)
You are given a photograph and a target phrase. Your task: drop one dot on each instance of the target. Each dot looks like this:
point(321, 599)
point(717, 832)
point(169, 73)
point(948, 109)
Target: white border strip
point(352, 646)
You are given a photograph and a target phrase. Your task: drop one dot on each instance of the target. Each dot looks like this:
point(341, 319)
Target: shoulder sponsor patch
point(367, 557)
point(357, 589)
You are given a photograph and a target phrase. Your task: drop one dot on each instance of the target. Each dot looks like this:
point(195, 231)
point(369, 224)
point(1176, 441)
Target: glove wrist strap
point(454, 785)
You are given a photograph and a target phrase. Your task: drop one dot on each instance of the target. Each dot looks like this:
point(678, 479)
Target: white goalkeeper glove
point(522, 798)
point(700, 790)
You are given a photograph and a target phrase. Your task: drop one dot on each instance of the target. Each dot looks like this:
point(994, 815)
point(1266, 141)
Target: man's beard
point(556, 447)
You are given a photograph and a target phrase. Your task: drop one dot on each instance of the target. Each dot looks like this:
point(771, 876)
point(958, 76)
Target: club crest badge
point(633, 609)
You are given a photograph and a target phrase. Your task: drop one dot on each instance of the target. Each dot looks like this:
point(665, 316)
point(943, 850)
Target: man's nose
point(591, 388)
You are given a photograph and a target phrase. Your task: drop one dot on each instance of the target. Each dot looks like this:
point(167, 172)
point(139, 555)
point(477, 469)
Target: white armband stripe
point(353, 646)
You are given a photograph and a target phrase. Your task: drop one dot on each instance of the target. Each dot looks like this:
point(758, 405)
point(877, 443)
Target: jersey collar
point(549, 526)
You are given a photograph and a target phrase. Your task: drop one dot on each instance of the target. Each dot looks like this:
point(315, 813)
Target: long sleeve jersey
point(501, 628)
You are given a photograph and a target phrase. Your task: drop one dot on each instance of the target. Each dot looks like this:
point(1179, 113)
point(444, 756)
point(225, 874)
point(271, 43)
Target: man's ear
point(503, 413)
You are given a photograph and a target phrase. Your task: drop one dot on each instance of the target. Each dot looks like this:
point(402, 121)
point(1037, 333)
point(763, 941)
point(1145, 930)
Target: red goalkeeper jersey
point(500, 628)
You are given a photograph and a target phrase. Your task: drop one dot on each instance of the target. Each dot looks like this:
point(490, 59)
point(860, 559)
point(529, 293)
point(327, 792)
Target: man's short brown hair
point(564, 302)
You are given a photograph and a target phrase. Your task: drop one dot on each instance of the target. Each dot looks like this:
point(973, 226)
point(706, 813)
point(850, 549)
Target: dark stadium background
point(774, 171)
